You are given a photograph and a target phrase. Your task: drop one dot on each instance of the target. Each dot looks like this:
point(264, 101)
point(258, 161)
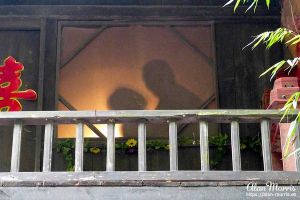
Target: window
point(133, 67)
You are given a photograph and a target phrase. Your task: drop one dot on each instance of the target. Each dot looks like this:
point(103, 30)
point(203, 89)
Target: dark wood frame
point(109, 24)
point(45, 18)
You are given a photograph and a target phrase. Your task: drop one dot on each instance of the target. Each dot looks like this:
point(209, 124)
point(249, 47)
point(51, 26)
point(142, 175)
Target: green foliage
point(290, 108)
point(252, 3)
point(253, 143)
point(269, 38)
point(156, 144)
point(183, 140)
point(220, 143)
point(219, 140)
point(66, 147)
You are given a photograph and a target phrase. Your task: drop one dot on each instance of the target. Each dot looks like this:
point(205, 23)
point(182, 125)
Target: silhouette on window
point(160, 79)
point(127, 99)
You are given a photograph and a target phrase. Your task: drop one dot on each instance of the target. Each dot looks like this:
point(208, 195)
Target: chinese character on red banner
point(10, 83)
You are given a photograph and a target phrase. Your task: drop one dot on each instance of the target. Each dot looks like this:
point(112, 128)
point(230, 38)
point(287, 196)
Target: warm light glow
point(113, 66)
point(69, 131)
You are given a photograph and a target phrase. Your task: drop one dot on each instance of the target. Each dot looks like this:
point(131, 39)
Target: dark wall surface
point(238, 71)
point(116, 2)
point(23, 27)
point(24, 47)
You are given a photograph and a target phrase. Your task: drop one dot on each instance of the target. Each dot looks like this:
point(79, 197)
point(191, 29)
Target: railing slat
point(173, 146)
point(16, 147)
point(142, 164)
point(235, 146)
point(266, 144)
point(204, 148)
point(48, 147)
point(110, 157)
point(79, 147)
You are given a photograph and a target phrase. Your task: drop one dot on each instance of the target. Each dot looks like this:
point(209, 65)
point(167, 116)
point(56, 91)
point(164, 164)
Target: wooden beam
point(173, 148)
point(149, 178)
point(235, 146)
point(50, 72)
point(204, 147)
point(16, 147)
point(83, 45)
point(79, 148)
point(98, 12)
point(135, 116)
point(72, 108)
point(194, 48)
point(47, 158)
point(110, 156)
point(38, 134)
point(142, 149)
point(266, 144)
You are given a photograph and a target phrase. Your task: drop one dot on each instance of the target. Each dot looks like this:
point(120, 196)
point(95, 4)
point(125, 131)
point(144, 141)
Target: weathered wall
point(114, 2)
point(24, 47)
point(39, 25)
point(238, 70)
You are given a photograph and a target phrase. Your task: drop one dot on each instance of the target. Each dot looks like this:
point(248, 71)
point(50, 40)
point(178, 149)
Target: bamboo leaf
point(228, 3)
point(290, 135)
point(295, 102)
point(236, 5)
point(291, 154)
point(268, 3)
point(293, 40)
point(253, 3)
point(275, 67)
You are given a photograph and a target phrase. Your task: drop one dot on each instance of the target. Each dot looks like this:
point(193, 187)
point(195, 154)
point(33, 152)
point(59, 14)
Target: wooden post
point(173, 146)
point(204, 147)
point(235, 146)
point(79, 148)
point(142, 164)
point(110, 157)
point(266, 144)
point(16, 147)
point(48, 147)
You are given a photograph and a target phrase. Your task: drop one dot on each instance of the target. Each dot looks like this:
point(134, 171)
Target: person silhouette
point(160, 79)
point(127, 99)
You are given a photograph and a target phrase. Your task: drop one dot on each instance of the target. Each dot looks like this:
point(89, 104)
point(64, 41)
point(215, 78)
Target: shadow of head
point(126, 99)
point(158, 73)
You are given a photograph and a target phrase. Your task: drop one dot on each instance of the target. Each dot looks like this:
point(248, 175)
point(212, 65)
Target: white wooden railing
point(172, 117)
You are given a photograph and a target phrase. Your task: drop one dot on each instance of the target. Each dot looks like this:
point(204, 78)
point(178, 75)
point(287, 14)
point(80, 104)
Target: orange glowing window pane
point(10, 83)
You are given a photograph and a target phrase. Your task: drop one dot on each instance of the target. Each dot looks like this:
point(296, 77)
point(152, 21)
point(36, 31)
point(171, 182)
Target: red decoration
point(10, 83)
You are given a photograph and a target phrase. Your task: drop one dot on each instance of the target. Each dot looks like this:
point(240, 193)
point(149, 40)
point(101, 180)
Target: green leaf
point(268, 3)
point(292, 153)
point(236, 5)
point(228, 3)
point(294, 40)
point(290, 135)
point(274, 68)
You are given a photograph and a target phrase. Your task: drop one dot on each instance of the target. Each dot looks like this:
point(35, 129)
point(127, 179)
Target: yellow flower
point(95, 150)
point(131, 142)
point(167, 147)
